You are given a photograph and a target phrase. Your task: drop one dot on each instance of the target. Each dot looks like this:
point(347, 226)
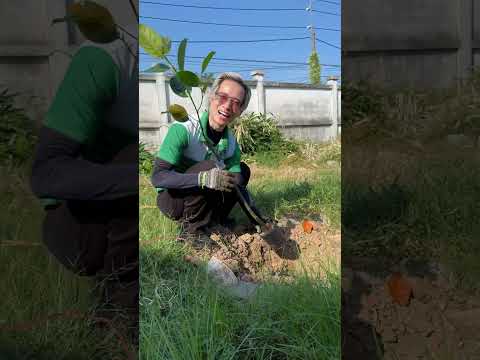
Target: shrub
point(17, 135)
point(361, 100)
point(257, 133)
point(145, 160)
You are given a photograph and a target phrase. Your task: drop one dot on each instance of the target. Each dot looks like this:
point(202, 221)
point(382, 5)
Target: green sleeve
point(233, 163)
point(90, 85)
point(173, 145)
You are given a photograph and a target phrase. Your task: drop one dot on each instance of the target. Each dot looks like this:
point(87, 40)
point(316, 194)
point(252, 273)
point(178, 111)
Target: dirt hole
point(252, 256)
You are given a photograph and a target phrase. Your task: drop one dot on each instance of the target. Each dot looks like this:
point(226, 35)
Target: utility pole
point(312, 28)
point(315, 69)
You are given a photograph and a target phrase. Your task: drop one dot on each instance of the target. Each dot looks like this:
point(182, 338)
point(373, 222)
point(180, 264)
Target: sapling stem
point(170, 63)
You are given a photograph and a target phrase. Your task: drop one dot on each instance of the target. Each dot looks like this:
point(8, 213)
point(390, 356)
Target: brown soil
point(439, 321)
point(286, 249)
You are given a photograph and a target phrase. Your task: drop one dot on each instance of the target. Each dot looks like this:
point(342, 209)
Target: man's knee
point(80, 250)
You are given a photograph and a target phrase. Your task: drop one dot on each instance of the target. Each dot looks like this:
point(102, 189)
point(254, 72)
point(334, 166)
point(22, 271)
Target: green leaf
point(188, 78)
point(94, 21)
point(178, 112)
point(154, 44)
point(158, 68)
point(178, 87)
point(207, 59)
point(181, 55)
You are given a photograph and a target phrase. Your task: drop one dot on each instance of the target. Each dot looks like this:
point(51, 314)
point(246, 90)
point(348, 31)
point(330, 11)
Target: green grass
point(34, 286)
point(320, 195)
point(183, 316)
point(433, 217)
point(430, 212)
point(300, 153)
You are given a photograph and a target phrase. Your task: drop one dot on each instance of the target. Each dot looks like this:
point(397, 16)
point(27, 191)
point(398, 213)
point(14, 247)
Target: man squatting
point(192, 187)
point(85, 173)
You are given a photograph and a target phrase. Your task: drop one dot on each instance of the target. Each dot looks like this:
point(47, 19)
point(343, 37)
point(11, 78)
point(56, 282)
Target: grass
point(433, 217)
point(183, 316)
point(35, 286)
point(406, 192)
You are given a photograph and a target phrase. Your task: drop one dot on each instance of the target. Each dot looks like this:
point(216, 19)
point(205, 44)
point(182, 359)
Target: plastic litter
point(224, 277)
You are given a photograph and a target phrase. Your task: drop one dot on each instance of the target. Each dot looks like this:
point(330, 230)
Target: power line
point(245, 66)
point(221, 8)
point(239, 41)
point(327, 43)
point(236, 9)
point(237, 25)
point(274, 68)
point(255, 61)
point(242, 66)
point(326, 12)
point(329, 2)
point(252, 41)
point(250, 68)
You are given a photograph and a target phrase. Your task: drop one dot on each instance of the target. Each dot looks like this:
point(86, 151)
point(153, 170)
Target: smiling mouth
point(224, 115)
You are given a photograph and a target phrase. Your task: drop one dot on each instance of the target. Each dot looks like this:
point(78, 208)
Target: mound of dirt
point(438, 322)
point(251, 255)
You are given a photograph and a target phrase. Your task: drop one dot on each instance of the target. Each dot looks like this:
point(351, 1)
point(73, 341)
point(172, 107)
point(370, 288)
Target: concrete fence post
point(261, 103)
point(161, 86)
point(464, 29)
point(163, 99)
point(332, 82)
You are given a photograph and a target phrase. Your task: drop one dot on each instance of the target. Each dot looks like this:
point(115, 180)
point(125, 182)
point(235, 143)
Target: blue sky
point(296, 51)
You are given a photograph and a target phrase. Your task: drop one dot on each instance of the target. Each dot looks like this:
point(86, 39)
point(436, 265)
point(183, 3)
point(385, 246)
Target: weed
point(145, 160)
point(17, 136)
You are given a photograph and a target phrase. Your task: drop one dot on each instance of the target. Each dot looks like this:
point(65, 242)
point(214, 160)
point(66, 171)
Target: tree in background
point(315, 69)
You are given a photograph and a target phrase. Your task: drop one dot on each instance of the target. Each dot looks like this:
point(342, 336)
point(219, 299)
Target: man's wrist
point(202, 179)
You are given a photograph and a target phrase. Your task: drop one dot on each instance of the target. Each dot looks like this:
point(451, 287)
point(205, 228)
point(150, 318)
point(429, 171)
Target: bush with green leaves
point(361, 100)
point(257, 133)
point(17, 135)
point(145, 160)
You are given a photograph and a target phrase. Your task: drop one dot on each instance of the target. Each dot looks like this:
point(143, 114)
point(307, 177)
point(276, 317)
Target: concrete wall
point(26, 43)
point(303, 111)
point(410, 43)
point(32, 51)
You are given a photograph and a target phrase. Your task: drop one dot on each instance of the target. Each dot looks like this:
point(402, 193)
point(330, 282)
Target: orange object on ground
point(307, 226)
point(399, 289)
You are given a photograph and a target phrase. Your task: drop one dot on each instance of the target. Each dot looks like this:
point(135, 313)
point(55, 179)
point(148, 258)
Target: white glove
point(216, 179)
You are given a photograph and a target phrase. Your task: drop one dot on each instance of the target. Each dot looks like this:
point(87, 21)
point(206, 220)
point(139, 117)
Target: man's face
point(225, 104)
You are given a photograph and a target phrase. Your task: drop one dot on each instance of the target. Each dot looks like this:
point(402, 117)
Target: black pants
point(99, 238)
point(197, 208)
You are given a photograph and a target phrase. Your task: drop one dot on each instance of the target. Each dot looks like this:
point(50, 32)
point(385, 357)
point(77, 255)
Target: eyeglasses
point(223, 99)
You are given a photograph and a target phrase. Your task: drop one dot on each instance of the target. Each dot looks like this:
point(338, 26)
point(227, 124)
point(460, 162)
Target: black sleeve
point(164, 177)
point(59, 173)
